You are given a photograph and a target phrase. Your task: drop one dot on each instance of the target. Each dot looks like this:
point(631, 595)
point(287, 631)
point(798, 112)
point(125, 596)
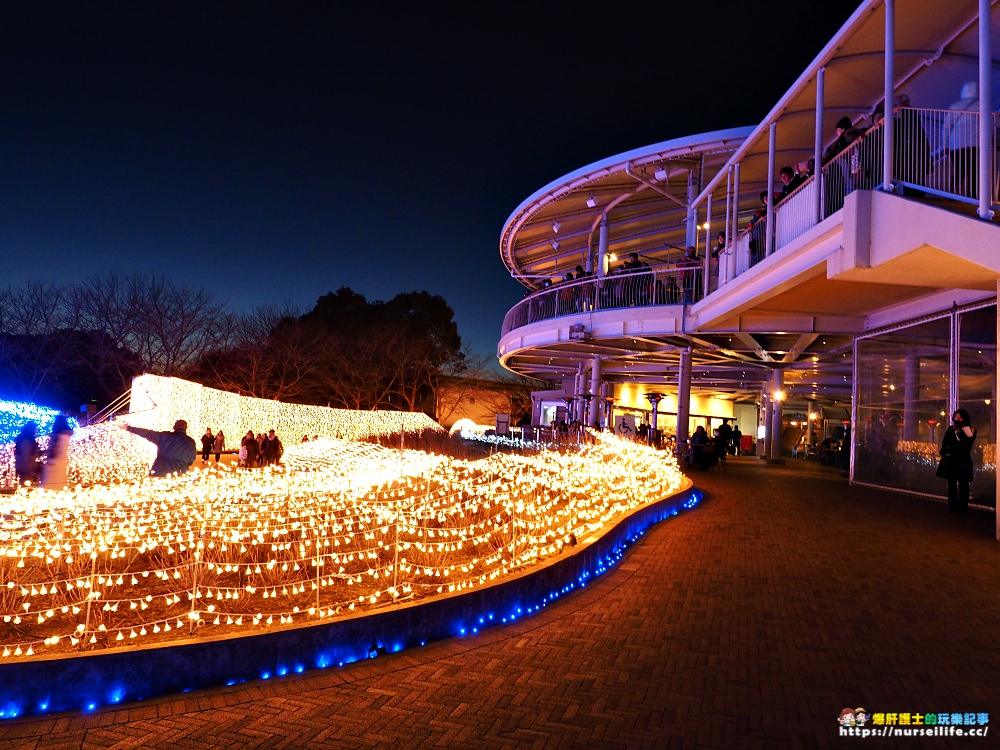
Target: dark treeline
point(65, 345)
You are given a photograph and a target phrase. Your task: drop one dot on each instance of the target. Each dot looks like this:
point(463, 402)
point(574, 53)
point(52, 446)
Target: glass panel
point(902, 383)
point(977, 395)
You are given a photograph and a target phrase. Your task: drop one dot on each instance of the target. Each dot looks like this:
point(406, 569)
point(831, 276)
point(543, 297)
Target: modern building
point(859, 302)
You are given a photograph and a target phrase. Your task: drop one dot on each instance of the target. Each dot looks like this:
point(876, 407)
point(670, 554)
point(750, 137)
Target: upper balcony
point(785, 276)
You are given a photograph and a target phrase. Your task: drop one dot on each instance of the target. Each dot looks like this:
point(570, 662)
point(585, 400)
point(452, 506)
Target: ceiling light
point(556, 226)
point(591, 202)
point(660, 174)
point(555, 244)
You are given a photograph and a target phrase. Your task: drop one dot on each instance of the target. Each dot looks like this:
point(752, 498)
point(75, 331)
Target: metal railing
point(671, 284)
point(935, 152)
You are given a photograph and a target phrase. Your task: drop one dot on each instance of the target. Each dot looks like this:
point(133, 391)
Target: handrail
point(931, 155)
point(667, 284)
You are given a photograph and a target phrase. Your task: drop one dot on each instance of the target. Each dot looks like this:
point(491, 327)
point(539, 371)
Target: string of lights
point(342, 526)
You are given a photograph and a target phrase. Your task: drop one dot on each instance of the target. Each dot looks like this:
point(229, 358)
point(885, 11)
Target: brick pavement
point(748, 623)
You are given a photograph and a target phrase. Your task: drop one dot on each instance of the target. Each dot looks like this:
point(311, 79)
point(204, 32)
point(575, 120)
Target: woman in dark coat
point(26, 455)
point(956, 460)
point(207, 441)
point(253, 449)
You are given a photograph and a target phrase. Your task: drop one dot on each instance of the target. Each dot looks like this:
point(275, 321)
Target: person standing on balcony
point(836, 182)
point(789, 182)
point(717, 251)
point(963, 141)
point(691, 279)
point(756, 231)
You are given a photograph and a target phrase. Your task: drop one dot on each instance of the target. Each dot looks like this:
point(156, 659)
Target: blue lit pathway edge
point(87, 682)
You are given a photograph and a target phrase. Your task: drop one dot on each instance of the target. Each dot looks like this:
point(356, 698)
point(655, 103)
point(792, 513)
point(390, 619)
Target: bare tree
point(178, 326)
point(36, 342)
point(266, 353)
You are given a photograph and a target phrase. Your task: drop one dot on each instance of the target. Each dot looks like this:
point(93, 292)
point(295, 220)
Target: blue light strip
point(13, 415)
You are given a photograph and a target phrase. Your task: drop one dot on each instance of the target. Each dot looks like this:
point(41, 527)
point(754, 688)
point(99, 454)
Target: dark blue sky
point(272, 152)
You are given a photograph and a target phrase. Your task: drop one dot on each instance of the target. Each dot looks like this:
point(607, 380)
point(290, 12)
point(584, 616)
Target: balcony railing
point(935, 152)
point(672, 284)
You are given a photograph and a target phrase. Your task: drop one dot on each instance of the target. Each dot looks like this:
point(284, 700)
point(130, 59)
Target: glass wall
point(903, 384)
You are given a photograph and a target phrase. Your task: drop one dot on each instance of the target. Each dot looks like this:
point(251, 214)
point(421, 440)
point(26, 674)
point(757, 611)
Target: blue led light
point(282, 671)
point(265, 675)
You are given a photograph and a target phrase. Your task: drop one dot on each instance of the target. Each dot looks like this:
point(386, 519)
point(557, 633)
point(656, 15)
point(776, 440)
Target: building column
point(595, 390)
point(735, 231)
point(602, 248)
point(986, 133)
point(911, 398)
point(691, 231)
point(769, 217)
point(810, 418)
point(683, 396)
point(766, 413)
point(818, 148)
point(777, 396)
point(889, 94)
point(706, 274)
point(579, 388)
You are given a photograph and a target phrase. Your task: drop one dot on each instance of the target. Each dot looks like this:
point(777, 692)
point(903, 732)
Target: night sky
point(272, 152)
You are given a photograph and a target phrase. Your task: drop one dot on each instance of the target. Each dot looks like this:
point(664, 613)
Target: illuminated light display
point(158, 401)
point(342, 527)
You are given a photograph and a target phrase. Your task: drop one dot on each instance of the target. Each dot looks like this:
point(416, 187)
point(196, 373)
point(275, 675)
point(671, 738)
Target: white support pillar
point(595, 389)
point(818, 147)
point(777, 396)
point(810, 418)
point(911, 396)
point(708, 252)
point(766, 414)
point(997, 390)
point(772, 135)
point(986, 133)
point(602, 248)
point(731, 260)
point(889, 93)
point(692, 214)
point(683, 396)
point(579, 388)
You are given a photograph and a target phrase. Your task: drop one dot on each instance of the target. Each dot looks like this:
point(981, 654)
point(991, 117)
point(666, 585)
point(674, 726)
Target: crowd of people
point(260, 450)
point(633, 283)
point(854, 159)
point(711, 450)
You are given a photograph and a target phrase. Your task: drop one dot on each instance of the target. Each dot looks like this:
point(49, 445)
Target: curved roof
point(936, 51)
point(644, 191)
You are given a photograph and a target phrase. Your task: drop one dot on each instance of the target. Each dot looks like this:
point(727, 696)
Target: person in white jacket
point(54, 471)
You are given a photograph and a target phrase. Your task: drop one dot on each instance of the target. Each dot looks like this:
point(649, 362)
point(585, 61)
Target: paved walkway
point(748, 623)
